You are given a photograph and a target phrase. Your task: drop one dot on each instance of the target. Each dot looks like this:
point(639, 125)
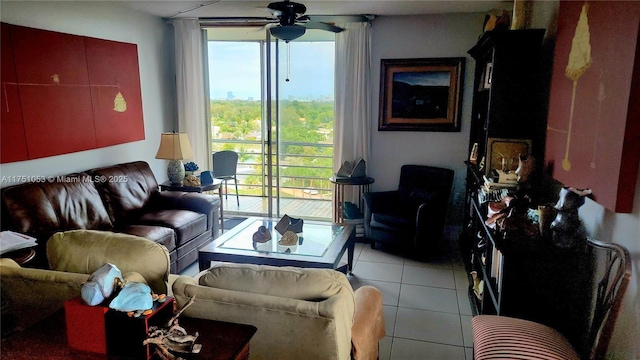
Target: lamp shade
point(174, 146)
point(288, 32)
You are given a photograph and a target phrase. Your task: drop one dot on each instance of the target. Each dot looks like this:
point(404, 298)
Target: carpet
point(230, 223)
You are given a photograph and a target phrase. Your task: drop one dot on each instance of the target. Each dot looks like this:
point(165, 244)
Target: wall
point(427, 36)
point(605, 225)
point(155, 55)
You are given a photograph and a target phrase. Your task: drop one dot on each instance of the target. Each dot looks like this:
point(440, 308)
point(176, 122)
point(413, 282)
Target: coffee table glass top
point(314, 241)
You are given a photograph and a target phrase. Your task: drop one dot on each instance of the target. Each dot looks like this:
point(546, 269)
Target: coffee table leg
point(203, 264)
point(221, 210)
point(350, 257)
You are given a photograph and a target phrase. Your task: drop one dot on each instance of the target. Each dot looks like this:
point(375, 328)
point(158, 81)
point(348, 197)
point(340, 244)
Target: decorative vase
point(568, 230)
point(175, 171)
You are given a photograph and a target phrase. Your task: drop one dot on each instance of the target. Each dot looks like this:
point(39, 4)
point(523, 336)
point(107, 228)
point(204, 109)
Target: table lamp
point(175, 147)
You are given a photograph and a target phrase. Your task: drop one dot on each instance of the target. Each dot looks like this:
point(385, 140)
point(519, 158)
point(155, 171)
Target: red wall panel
point(67, 93)
point(115, 91)
point(593, 138)
point(12, 137)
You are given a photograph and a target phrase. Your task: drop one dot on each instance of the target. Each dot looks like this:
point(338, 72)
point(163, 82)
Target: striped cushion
point(501, 337)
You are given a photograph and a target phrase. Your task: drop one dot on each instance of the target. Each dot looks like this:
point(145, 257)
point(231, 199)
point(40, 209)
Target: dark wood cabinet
point(508, 101)
point(522, 275)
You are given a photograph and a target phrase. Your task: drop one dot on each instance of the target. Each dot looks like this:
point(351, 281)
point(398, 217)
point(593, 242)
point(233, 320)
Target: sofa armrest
point(197, 202)
point(34, 294)
point(368, 323)
point(9, 263)
point(430, 221)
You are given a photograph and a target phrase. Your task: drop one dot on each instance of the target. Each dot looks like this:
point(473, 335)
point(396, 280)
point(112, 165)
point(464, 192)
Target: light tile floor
point(426, 308)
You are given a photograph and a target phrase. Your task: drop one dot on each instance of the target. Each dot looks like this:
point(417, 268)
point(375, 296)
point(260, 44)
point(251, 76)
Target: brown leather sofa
point(122, 198)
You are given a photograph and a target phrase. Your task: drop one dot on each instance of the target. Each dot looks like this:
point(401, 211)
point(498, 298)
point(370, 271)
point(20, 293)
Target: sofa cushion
point(47, 207)
point(288, 282)
point(85, 251)
point(125, 189)
point(186, 224)
point(158, 234)
point(392, 223)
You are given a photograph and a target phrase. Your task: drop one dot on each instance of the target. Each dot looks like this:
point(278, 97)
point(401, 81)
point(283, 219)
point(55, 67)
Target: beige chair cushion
point(290, 307)
point(85, 251)
point(289, 282)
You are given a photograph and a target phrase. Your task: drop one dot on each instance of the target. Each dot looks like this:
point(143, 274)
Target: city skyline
point(234, 68)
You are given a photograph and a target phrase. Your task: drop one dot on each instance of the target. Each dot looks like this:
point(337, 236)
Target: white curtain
point(190, 88)
point(351, 139)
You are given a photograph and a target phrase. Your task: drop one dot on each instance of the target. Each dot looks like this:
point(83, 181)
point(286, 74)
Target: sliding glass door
point(272, 102)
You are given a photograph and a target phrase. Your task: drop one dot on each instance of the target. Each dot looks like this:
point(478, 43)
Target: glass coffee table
point(319, 245)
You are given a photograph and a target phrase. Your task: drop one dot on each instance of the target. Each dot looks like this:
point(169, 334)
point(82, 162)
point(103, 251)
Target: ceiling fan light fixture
point(288, 32)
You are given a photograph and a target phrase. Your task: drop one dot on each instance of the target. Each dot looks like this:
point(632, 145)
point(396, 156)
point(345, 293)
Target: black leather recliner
point(413, 215)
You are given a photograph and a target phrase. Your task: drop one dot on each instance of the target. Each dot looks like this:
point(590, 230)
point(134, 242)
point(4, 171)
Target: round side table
point(363, 183)
point(21, 256)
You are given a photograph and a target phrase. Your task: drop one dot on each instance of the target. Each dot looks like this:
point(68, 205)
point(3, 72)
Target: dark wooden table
point(21, 256)
point(215, 185)
point(48, 340)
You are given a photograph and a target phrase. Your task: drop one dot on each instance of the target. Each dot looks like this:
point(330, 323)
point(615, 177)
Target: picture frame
point(473, 156)
point(421, 94)
point(508, 149)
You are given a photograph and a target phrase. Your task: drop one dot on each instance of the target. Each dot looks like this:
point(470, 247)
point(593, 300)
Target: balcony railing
point(303, 174)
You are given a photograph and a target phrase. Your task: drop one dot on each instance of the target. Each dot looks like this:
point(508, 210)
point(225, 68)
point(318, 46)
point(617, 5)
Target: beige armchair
point(299, 313)
point(32, 294)
point(85, 251)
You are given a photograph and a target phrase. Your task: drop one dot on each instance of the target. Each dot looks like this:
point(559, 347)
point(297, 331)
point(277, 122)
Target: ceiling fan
point(292, 22)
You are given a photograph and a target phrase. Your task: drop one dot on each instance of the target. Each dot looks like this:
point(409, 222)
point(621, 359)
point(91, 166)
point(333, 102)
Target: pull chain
point(288, 61)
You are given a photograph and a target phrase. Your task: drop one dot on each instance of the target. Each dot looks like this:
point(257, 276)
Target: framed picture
point(421, 94)
point(473, 156)
point(504, 153)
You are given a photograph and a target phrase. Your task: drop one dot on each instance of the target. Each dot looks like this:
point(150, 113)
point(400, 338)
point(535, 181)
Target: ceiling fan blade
point(303, 18)
point(322, 26)
point(332, 19)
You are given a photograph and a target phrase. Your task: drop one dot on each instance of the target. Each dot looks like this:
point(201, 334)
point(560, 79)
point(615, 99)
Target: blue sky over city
point(234, 67)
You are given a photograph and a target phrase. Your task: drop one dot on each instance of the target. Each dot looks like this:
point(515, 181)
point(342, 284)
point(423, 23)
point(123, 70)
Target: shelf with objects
point(507, 123)
point(350, 174)
point(521, 266)
point(514, 268)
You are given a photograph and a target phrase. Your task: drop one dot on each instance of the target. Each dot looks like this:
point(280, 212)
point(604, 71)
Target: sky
point(235, 67)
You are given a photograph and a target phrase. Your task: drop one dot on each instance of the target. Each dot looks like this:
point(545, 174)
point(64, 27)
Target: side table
point(215, 185)
point(47, 339)
point(21, 256)
point(220, 340)
point(363, 183)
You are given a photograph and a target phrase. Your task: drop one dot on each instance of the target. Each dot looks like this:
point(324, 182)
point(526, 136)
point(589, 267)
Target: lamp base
point(175, 171)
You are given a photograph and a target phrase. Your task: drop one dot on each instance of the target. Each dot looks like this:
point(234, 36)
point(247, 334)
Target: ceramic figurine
point(262, 235)
point(567, 228)
point(526, 165)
